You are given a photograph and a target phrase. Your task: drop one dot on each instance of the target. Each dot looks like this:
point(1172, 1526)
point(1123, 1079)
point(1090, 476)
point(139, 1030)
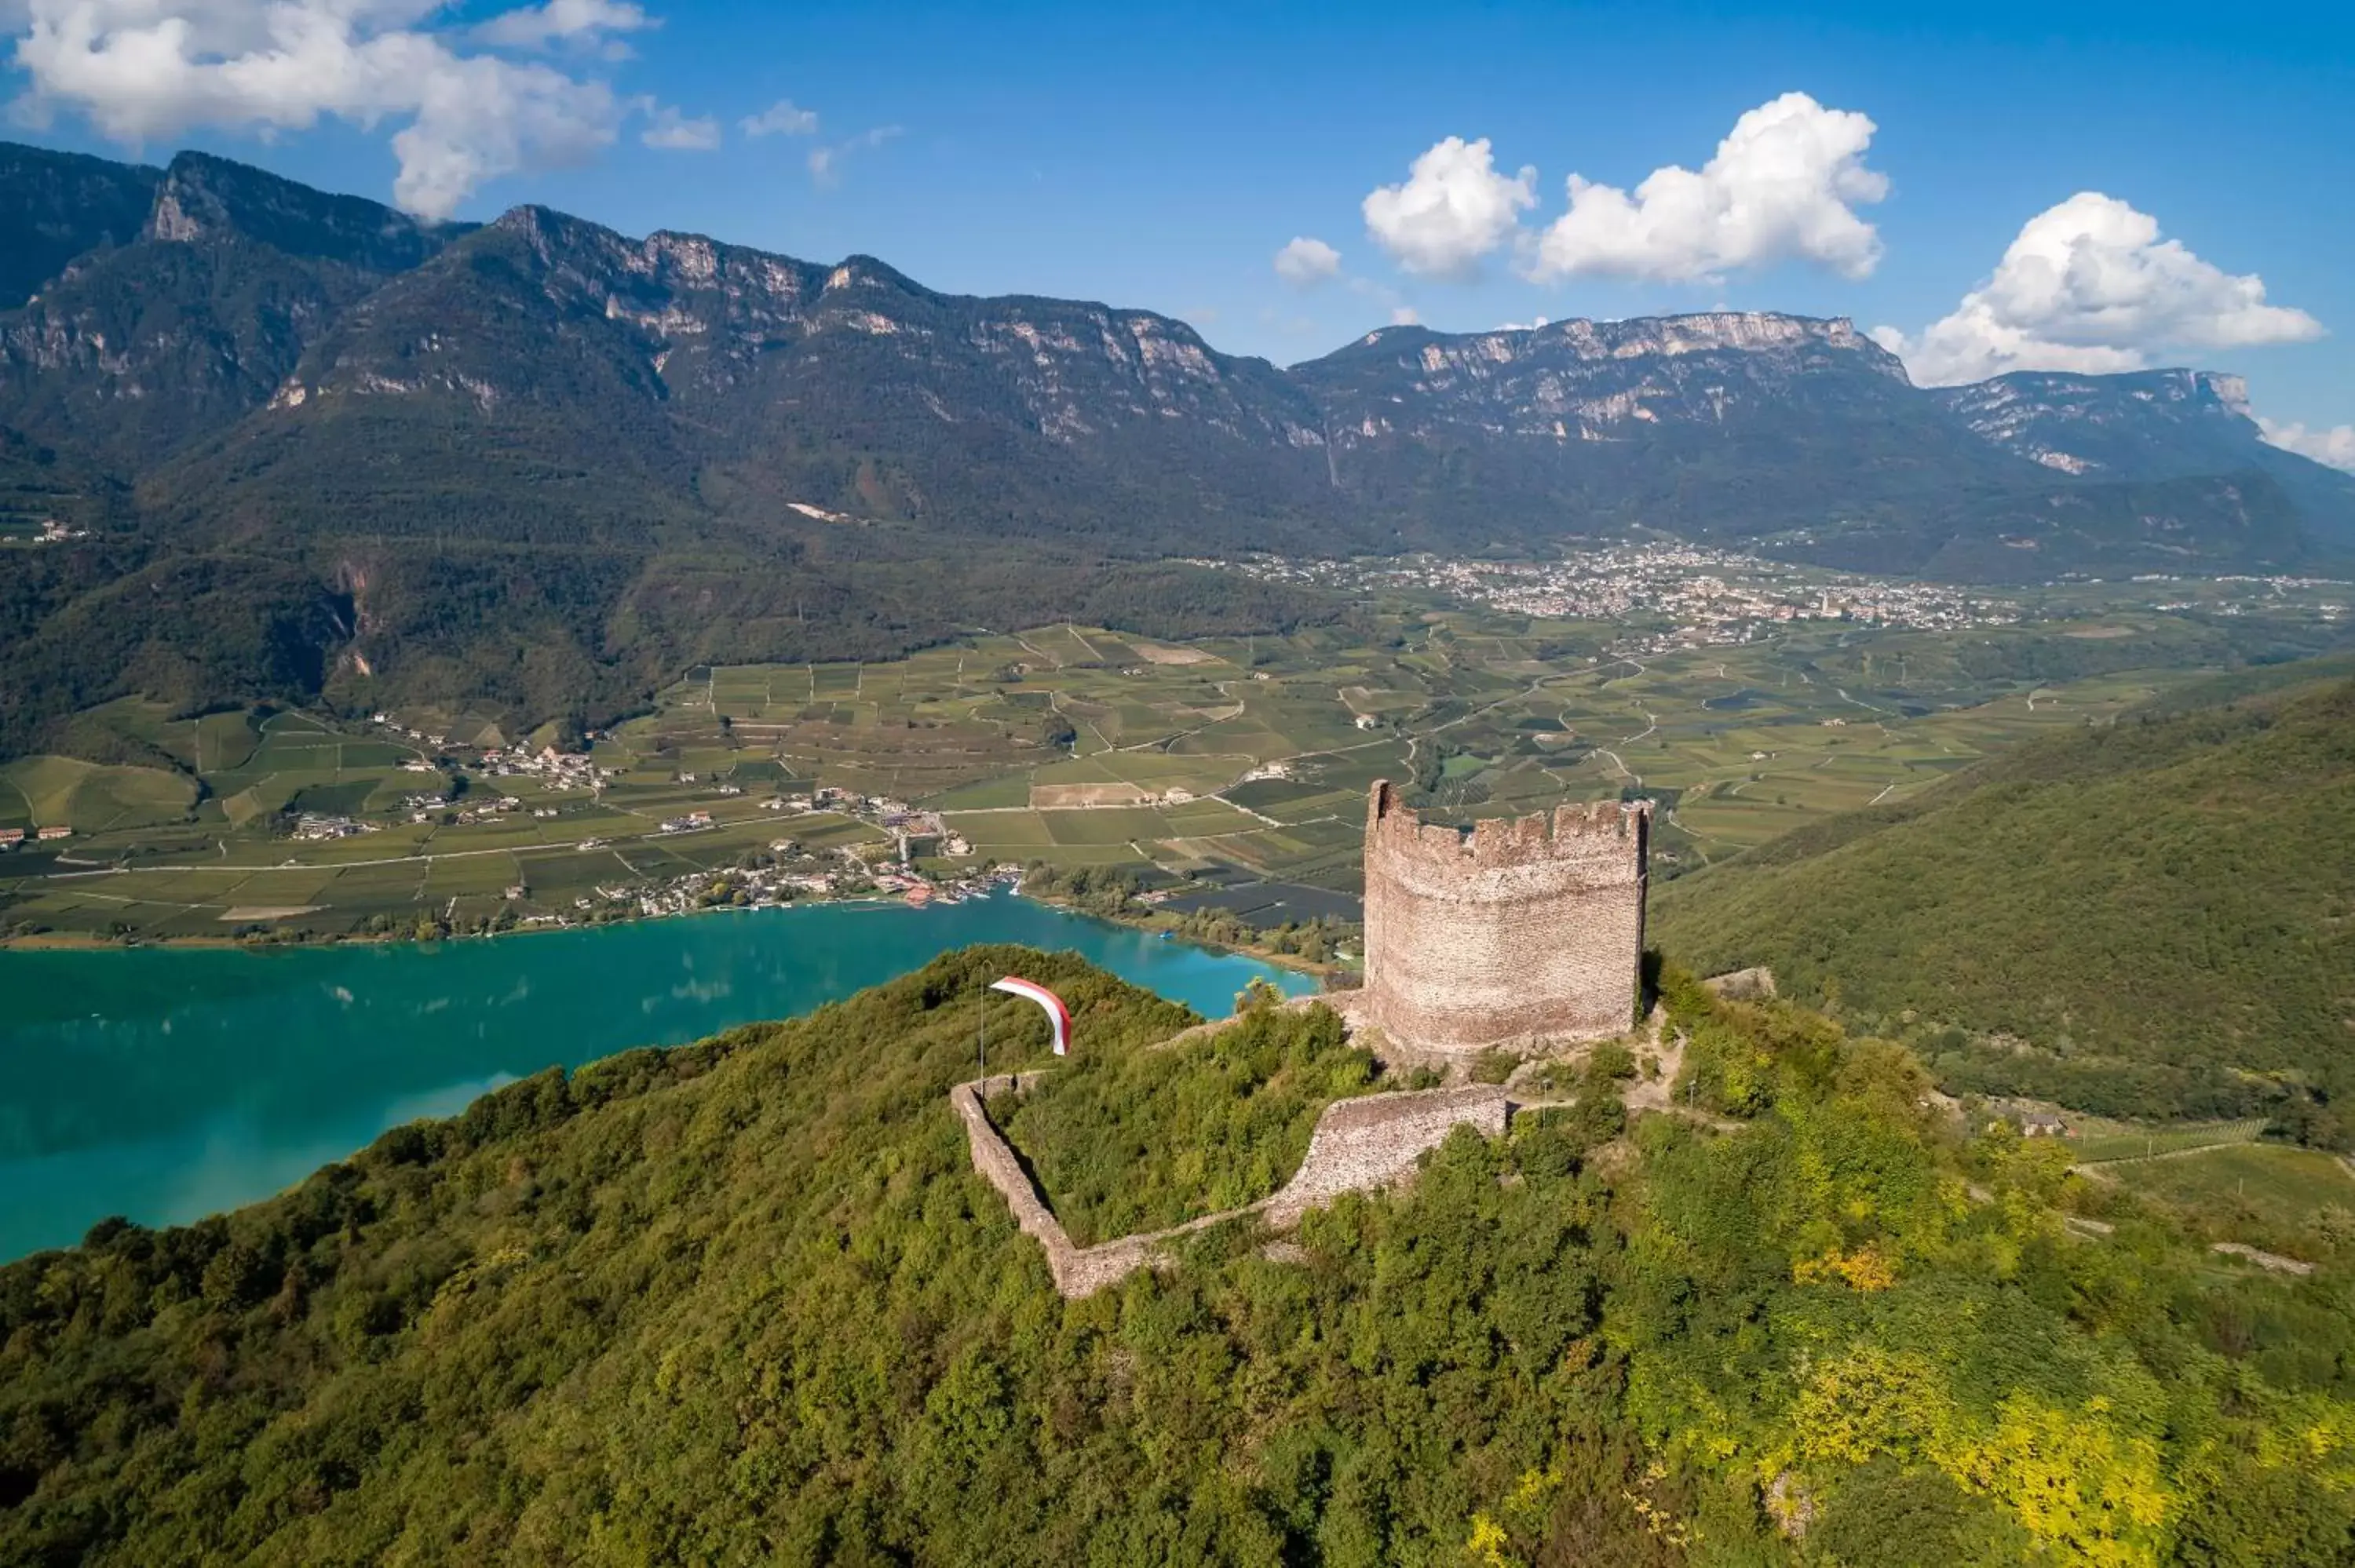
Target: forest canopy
point(746, 1301)
point(2142, 918)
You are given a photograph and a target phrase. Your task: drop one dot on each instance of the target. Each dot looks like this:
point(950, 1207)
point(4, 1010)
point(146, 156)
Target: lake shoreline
point(166, 1082)
point(1152, 922)
point(90, 942)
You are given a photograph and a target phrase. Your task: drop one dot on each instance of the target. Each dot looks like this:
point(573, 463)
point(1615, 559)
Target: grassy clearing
point(2103, 1147)
point(2268, 1193)
point(1135, 1140)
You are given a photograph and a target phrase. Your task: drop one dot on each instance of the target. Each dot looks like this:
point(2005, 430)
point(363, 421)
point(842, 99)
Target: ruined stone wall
point(994, 1158)
point(1359, 1145)
point(1522, 930)
point(1370, 1143)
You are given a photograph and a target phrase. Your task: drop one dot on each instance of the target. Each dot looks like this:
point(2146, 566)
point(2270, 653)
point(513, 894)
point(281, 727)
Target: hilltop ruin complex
point(1520, 931)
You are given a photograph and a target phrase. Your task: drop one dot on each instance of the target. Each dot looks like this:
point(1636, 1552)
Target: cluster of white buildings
point(558, 769)
point(1713, 597)
point(386, 721)
point(904, 822)
point(2324, 597)
point(313, 826)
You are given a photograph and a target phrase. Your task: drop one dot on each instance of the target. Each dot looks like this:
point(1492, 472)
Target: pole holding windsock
point(1058, 1017)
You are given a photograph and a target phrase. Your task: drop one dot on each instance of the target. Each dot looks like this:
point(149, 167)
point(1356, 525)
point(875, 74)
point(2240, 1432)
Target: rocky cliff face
point(1723, 425)
point(2152, 425)
point(1582, 380)
point(202, 197)
point(253, 344)
point(2143, 424)
point(248, 315)
point(133, 347)
point(713, 320)
point(846, 390)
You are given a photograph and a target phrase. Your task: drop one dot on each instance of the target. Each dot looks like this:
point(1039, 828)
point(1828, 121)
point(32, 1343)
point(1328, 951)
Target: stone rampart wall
point(1522, 930)
point(1362, 1144)
point(994, 1160)
point(1358, 1145)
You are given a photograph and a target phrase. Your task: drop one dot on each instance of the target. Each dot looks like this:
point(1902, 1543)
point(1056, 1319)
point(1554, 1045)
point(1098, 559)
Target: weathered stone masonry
point(1523, 930)
point(1529, 930)
point(1359, 1145)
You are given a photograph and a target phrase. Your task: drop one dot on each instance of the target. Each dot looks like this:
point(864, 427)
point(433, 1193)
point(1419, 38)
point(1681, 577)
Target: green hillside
point(2160, 908)
point(746, 1302)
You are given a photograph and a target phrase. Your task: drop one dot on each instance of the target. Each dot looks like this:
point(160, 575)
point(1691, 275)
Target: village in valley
point(779, 872)
point(1742, 696)
point(1706, 596)
point(1670, 595)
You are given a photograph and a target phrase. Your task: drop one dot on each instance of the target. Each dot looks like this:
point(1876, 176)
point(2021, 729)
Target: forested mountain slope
point(2158, 903)
point(186, 326)
point(59, 206)
point(2149, 425)
point(39, 485)
point(747, 1301)
point(544, 467)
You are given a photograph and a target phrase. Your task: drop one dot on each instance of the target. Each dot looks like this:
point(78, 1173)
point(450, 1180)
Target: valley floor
point(1229, 762)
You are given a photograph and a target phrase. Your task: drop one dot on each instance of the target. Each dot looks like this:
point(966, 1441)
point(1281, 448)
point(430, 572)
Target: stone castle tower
point(1519, 930)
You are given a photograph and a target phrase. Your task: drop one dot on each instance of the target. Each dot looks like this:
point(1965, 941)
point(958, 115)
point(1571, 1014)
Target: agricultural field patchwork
point(1232, 759)
point(2276, 1195)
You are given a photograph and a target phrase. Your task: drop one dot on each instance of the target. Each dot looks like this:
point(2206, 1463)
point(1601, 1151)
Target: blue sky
point(1162, 157)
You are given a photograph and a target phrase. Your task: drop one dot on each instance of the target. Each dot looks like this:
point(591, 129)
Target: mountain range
point(318, 448)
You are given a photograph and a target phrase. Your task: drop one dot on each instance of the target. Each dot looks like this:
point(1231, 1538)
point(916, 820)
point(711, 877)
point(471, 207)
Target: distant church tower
point(1527, 929)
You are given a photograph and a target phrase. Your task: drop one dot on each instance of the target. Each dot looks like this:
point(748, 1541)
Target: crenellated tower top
point(1521, 928)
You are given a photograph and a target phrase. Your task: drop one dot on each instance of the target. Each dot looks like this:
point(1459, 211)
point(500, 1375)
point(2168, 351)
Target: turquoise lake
point(166, 1084)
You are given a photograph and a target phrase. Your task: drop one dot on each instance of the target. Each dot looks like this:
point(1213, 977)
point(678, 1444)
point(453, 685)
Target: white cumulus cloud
point(2089, 286)
point(783, 118)
point(1784, 185)
point(1454, 208)
point(1306, 262)
point(669, 129)
point(2334, 446)
point(143, 70)
point(561, 21)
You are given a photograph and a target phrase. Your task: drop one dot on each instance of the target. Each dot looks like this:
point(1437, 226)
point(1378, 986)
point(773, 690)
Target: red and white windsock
point(1058, 1017)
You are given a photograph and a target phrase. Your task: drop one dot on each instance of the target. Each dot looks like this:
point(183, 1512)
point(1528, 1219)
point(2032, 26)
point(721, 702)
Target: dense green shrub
point(1149, 1140)
point(2132, 919)
point(747, 1301)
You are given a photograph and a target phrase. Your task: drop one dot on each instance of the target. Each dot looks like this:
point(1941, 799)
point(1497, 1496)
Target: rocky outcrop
point(2140, 423)
point(1363, 1144)
point(1585, 380)
point(1756, 984)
